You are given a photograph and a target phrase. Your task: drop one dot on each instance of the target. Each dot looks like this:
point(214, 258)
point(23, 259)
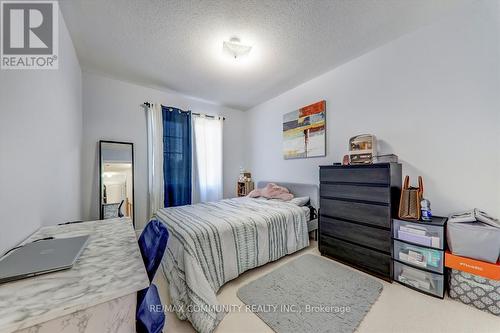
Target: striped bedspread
point(212, 243)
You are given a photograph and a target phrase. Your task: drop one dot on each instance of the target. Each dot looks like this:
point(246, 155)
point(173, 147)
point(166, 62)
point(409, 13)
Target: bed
point(213, 243)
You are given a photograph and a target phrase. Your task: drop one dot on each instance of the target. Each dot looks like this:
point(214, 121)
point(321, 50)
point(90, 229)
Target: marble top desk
point(97, 295)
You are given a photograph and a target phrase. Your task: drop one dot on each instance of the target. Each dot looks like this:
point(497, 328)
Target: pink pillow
point(254, 193)
point(272, 191)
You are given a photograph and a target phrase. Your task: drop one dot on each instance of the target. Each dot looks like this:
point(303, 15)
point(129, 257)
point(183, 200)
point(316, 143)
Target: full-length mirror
point(116, 179)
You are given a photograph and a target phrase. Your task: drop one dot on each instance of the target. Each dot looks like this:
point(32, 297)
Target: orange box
point(476, 267)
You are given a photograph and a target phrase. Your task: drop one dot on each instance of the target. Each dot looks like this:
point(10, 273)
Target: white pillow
point(300, 201)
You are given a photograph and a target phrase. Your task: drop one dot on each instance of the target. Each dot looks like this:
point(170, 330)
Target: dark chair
point(152, 243)
point(120, 214)
point(112, 210)
point(150, 316)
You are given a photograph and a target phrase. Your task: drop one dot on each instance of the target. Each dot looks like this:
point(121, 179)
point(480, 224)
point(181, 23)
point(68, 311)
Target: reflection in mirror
point(116, 179)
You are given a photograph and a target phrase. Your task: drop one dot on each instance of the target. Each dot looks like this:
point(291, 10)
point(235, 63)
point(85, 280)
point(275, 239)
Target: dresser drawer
point(356, 192)
point(373, 237)
point(420, 233)
point(420, 257)
point(360, 212)
point(367, 175)
point(367, 259)
point(425, 281)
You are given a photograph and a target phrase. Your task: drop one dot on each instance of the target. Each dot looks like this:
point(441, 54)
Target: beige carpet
point(397, 310)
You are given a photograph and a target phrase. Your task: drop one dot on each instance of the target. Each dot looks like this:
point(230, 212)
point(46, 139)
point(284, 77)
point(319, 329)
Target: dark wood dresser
point(357, 204)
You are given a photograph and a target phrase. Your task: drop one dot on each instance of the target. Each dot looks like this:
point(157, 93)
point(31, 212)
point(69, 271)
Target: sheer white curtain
point(207, 159)
point(155, 158)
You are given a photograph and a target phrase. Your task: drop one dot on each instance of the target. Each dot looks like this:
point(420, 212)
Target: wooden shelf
point(243, 188)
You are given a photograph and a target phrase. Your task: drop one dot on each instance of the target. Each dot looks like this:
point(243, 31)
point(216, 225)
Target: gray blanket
point(212, 243)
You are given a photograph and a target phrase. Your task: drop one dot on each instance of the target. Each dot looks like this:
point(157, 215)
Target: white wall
point(431, 97)
point(40, 145)
point(113, 110)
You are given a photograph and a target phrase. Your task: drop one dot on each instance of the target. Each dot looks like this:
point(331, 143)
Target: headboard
point(298, 190)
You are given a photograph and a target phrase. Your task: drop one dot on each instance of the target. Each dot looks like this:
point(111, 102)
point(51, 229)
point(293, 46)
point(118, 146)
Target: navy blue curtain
point(176, 156)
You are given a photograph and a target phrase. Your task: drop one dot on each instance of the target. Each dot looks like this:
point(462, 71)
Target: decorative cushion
point(300, 201)
point(272, 191)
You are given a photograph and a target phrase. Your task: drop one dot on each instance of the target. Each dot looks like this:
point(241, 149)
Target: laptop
point(41, 257)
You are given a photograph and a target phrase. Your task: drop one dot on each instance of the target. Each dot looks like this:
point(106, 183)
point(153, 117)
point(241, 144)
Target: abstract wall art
point(304, 132)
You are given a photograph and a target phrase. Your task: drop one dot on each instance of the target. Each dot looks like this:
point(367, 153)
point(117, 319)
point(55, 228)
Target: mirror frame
point(100, 177)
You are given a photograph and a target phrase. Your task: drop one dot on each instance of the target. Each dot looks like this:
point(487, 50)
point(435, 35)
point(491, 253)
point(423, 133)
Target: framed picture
point(304, 132)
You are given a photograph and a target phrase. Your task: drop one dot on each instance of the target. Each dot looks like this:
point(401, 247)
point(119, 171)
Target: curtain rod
point(193, 113)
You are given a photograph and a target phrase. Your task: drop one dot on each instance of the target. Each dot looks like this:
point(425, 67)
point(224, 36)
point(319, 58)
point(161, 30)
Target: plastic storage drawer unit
point(418, 256)
point(423, 281)
point(421, 233)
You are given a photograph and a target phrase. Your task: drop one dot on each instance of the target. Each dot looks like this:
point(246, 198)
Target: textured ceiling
point(178, 44)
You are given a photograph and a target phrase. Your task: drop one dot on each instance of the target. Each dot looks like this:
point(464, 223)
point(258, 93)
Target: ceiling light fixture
point(235, 48)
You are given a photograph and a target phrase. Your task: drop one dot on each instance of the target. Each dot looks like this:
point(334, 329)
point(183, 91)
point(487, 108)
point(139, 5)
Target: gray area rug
point(311, 294)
